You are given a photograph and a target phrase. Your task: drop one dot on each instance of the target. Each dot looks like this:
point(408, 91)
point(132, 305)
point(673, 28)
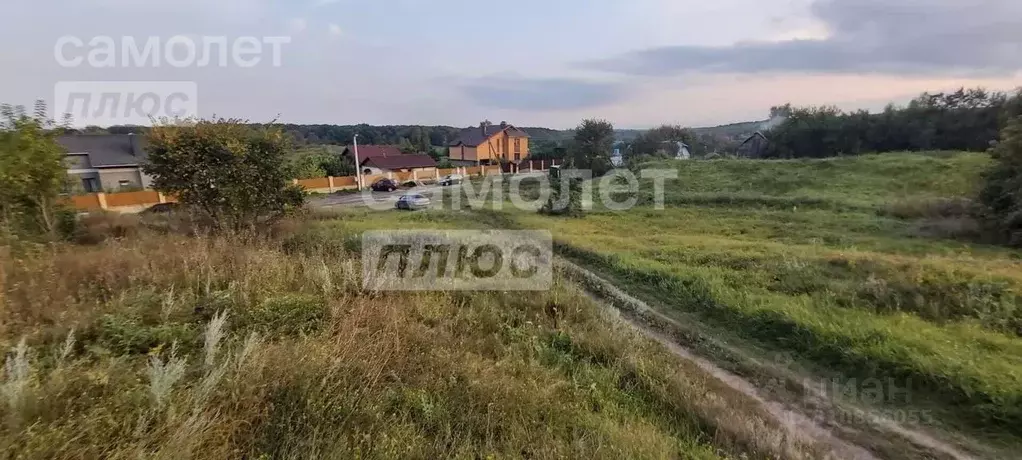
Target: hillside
point(829, 275)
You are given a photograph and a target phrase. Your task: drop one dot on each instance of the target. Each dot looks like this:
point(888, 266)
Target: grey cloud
point(542, 94)
point(917, 37)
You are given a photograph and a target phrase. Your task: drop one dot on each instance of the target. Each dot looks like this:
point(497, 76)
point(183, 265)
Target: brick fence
point(139, 201)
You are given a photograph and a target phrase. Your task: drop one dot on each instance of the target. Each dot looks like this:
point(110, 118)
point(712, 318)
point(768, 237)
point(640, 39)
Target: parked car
point(451, 179)
point(162, 208)
point(413, 201)
point(384, 185)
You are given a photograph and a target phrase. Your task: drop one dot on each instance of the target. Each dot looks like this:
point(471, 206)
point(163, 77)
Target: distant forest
point(960, 120)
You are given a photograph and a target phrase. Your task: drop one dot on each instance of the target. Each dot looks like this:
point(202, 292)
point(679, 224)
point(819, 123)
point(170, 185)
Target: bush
point(127, 335)
point(287, 315)
point(1002, 193)
point(230, 170)
point(97, 227)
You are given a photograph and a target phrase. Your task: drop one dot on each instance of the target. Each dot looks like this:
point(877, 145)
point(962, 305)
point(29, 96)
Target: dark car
point(384, 185)
point(163, 208)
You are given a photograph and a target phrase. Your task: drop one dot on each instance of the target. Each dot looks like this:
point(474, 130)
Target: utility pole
point(358, 167)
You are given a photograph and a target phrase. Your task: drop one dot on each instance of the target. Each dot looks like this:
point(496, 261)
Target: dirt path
point(844, 441)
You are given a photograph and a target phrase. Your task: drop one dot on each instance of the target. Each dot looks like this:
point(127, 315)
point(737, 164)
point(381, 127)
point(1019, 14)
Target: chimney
point(482, 127)
point(503, 124)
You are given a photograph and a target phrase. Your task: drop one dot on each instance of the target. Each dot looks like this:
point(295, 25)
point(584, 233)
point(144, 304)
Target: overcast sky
point(535, 62)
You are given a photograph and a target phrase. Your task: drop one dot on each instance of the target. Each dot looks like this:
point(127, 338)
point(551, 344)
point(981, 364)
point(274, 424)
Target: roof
point(472, 137)
point(419, 160)
point(107, 150)
point(755, 135)
point(370, 151)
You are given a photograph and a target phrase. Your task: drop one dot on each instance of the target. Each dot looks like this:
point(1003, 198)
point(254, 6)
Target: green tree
point(233, 171)
point(660, 142)
point(1002, 192)
point(592, 146)
point(32, 171)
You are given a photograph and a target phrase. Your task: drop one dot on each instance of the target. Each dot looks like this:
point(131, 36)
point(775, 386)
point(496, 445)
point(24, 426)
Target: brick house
point(490, 144)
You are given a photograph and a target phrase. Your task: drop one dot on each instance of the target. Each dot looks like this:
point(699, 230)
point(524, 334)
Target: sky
point(552, 63)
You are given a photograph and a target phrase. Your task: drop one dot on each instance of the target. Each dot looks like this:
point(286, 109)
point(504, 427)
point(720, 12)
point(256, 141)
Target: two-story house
point(106, 162)
point(490, 144)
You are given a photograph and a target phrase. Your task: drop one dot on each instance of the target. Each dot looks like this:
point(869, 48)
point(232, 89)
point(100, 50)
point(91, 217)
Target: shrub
point(1002, 193)
point(232, 171)
point(97, 227)
point(288, 315)
point(128, 335)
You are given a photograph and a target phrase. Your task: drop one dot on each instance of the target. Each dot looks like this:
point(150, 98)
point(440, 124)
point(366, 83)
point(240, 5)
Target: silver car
point(413, 201)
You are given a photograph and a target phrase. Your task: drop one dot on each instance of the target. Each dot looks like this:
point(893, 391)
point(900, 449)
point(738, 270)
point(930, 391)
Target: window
point(124, 183)
point(518, 147)
point(90, 184)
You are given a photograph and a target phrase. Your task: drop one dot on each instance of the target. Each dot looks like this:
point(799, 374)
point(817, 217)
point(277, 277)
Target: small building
point(383, 164)
point(616, 158)
point(106, 162)
point(490, 144)
point(684, 151)
point(754, 147)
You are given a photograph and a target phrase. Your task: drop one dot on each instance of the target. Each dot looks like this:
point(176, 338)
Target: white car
point(412, 201)
point(451, 179)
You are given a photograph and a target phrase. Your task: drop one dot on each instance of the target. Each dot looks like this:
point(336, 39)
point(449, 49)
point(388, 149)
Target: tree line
point(964, 120)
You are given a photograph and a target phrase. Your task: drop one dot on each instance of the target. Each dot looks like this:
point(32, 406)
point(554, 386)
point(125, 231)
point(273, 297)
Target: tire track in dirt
point(640, 315)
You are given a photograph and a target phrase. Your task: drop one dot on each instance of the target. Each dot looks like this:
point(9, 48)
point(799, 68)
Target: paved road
point(382, 200)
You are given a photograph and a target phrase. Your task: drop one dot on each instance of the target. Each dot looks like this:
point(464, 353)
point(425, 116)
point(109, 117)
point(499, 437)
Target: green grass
point(839, 284)
point(811, 257)
point(861, 181)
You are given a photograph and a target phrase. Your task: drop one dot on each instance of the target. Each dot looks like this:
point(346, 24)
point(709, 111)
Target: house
point(104, 162)
point(368, 151)
point(684, 152)
point(616, 158)
point(383, 164)
point(754, 147)
point(490, 144)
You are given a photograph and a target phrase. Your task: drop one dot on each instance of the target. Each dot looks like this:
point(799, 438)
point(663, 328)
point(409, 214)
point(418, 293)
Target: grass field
point(164, 346)
point(159, 345)
point(830, 263)
point(807, 257)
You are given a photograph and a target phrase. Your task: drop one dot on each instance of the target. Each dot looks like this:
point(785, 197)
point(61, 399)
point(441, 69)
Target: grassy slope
point(307, 365)
point(835, 283)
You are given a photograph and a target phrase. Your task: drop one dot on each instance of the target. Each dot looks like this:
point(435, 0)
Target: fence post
point(436, 174)
point(101, 197)
point(162, 199)
point(330, 183)
point(415, 175)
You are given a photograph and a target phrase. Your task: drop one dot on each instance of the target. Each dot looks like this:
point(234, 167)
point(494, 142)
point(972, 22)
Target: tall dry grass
point(166, 346)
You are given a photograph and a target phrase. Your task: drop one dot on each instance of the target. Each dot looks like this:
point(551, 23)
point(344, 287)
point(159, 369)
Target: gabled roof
point(753, 136)
point(107, 150)
point(473, 137)
point(418, 160)
point(370, 151)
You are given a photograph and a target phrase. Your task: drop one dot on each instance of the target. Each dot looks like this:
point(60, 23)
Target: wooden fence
point(138, 201)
